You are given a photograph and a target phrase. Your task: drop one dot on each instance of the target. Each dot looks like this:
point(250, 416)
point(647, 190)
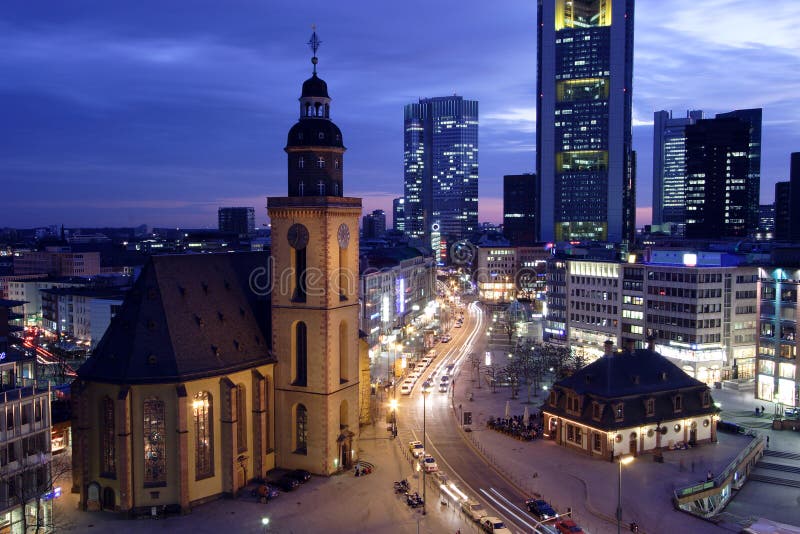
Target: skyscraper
point(441, 167)
point(669, 167)
point(752, 117)
point(399, 214)
point(373, 224)
point(783, 221)
point(794, 204)
point(519, 208)
point(240, 221)
point(583, 120)
point(717, 168)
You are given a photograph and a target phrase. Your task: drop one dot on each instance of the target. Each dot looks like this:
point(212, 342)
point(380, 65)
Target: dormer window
point(706, 399)
point(619, 411)
point(650, 407)
point(596, 411)
point(677, 402)
point(552, 398)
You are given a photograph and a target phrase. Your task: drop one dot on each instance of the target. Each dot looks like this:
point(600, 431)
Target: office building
point(239, 221)
point(669, 168)
point(399, 214)
point(441, 169)
point(794, 207)
point(584, 157)
point(373, 224)
point(766, 222)
point(783, 198)
point(751, 117)
point(717, 174)
point(519, 208)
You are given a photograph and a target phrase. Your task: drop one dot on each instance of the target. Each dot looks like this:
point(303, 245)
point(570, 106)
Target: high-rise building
point(669, 167)
point(717, 174)
point(441, 168)
point(373, 224)
point(782, 211)
point(584, 157)
point(519, 208)
point(399, 214)
point(240, 221)
point(752, 117)
point(794, 205)
point(766, 222)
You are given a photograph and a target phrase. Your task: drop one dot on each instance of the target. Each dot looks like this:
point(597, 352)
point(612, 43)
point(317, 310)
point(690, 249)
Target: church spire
point(314, 43)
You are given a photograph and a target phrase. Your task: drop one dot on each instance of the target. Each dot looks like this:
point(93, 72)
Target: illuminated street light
point(425, 392)
point(623, 460)
point(265, 523)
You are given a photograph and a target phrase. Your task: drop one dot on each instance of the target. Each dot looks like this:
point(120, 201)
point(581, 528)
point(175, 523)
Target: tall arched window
point(300, 354)
point(241, 416)
point(343, 369)
point(155, 446)
point(203, 435)
point(108, 466)
point(301, 430)
point(301, 162)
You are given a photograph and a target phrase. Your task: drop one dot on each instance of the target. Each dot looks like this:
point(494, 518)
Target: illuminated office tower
point(441, 167)
point(669, 167)
point(584, 157)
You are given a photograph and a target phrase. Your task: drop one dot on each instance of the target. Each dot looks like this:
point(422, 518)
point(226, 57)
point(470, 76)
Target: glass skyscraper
point(669, 167)
point(441, 168)
point(584, 157)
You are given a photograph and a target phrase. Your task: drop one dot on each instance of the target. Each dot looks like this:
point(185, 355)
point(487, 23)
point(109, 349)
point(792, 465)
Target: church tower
point(315, 294)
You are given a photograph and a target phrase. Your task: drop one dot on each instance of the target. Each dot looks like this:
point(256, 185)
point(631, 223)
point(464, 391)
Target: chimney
point(608, 347)
point(651, 342)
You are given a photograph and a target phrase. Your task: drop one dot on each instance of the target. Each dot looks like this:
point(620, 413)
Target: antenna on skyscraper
point(314, 43)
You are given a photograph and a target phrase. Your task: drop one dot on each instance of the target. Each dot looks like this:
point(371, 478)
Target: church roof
point(642, 371)
point(317, 132)
point(187, 317)
point(315, 87)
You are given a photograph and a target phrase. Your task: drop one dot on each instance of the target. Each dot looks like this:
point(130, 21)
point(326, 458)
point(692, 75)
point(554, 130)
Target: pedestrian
point(756, 411)
point(768, 442)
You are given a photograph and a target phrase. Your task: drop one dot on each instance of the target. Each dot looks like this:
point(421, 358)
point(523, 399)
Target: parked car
point(428, 463)
point(540, 509)
point(427, 361)
point(568, 526)
point(473, 509)
point(791, 412)
point(300, 475)
point(446, 339)
point(416, 448)
point(494, 525)
point(443, 387)
point(287, 483)
point(405, 389)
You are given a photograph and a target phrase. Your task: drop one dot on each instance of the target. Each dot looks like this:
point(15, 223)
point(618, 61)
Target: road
point(443, 438)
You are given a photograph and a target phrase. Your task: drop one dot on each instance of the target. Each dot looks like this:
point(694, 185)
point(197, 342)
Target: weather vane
point(314, 43)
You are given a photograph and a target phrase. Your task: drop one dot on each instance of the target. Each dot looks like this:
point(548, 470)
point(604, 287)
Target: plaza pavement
point(589, 486)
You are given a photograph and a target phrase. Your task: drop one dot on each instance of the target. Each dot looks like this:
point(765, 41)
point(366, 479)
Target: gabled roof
point(620, 374)
point(187, 317)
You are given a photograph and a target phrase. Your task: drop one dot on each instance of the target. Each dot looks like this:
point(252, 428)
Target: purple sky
point(124, 113)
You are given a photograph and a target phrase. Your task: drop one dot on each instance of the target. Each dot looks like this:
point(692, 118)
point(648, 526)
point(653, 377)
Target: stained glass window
point(241, 427)
point(154, 432)
point(107, 448)
point(203, 437)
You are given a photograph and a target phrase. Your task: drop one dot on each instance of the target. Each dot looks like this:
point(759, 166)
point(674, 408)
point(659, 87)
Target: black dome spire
point(315, 86)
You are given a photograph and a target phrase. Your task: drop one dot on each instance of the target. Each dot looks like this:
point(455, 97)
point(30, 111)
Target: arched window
point(327, 110)
point(336, 164)
point(300, 162)
point(321, 162)
point(154, 433)
point(300, 354)
point(241, 416)
point(317, 107)
point(308, 110)
point(107, 446)
point(203, 435)
point(301, 430)
point(343, 369)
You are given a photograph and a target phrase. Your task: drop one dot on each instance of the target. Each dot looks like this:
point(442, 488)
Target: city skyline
point(114, 117)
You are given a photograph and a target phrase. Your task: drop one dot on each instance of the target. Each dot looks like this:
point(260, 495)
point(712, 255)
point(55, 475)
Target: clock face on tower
point(297, 236)
point(343, 235)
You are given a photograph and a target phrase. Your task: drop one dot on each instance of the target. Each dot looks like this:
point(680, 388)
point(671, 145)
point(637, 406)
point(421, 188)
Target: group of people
point(515, 426)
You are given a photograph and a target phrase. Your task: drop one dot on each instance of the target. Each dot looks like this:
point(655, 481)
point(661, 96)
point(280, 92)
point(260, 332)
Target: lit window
point(154, 430)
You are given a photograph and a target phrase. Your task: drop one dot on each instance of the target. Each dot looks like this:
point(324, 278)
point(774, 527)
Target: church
point(221, 367)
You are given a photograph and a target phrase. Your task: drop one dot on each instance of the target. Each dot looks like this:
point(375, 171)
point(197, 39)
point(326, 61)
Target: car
point(494, 525)
point(416, 448)
point(427, 361)
point(405, 389)
point(444, 379)
point(287, 483)
point(428, 463)
point(427, 384)
point(568, 526)
point(446, 339)
point(473, 509)
point(540, 509)
point(443, 387)
point(300, 475)
point(791, 412)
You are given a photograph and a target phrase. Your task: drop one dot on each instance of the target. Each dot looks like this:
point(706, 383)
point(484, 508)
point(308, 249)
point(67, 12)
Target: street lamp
point(425, 392)
point(622, 460)
point(265, 523)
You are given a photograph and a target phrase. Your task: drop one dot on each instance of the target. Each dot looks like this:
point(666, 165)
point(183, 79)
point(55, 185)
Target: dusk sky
point(127, 113)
